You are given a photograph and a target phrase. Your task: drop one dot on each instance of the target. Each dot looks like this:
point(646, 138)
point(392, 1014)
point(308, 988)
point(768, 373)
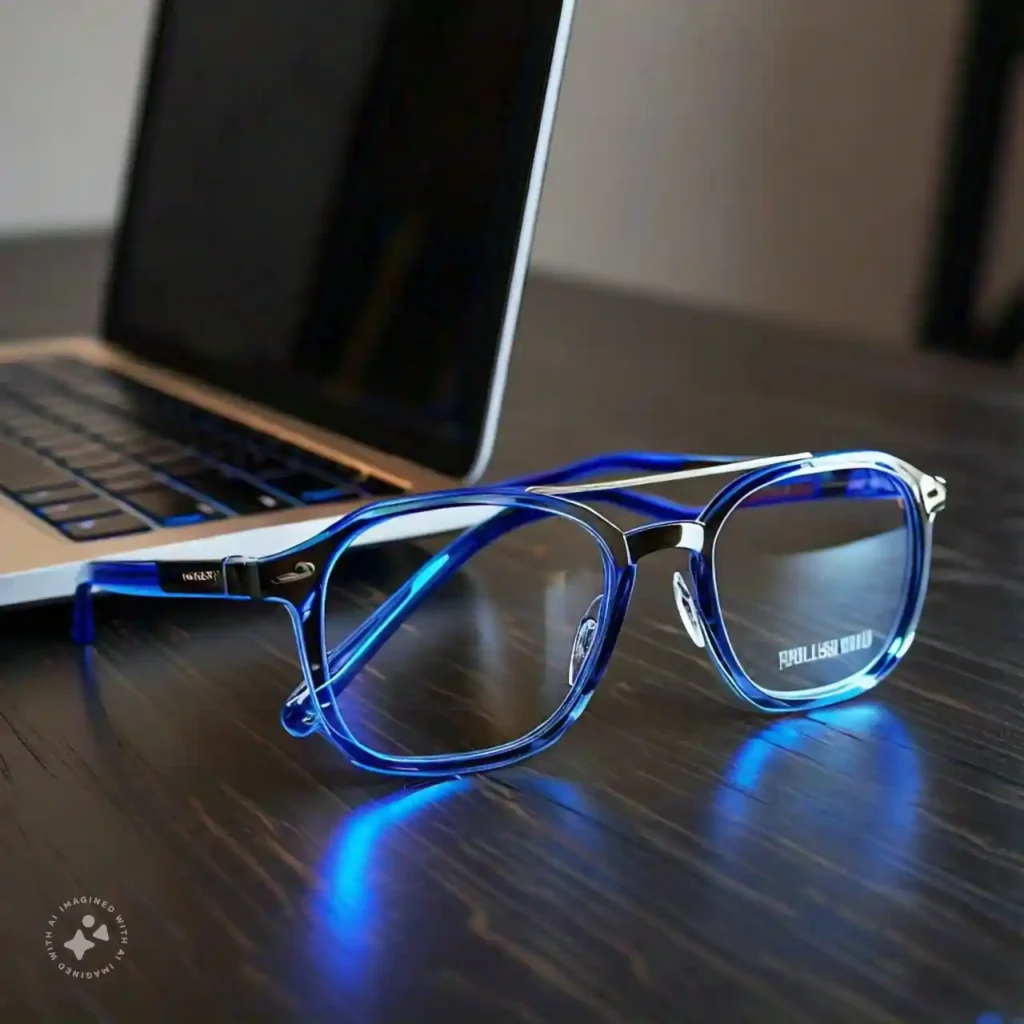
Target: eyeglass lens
point(486, 657)
point(812, 576)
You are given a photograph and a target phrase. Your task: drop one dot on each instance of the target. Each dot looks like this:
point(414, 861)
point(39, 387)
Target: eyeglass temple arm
point(226, 579)
point(665, 467)
point(618, 462)
point(658, 468)
point(231, 579)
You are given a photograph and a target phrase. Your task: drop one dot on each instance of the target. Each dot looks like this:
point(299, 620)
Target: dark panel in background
point(986, 76)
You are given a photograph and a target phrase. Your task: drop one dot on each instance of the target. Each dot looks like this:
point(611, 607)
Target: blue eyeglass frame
point(296, 579)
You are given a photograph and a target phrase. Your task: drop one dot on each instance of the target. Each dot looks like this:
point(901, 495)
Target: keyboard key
point(165, 453)
point(171, 507)
point(237, 494)
point(307, 487)
point(50, 495)
point(254, 460)
point(90, 457)
point(47, 436)
point(138, 480)
point(138, 444)
point(117, 469)
point(329, 494)
point(63, 445)
point(184, 466)
point(23, 470)
point(265, 469)
point(377, 487)
point(330, 469)
point(106, 526)
point(218, 450)
point(125, 435)
point(21, 418)
point(66, 511)
point(67, 409)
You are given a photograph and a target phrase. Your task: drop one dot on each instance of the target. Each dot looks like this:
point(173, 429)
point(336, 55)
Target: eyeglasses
point(803, 579)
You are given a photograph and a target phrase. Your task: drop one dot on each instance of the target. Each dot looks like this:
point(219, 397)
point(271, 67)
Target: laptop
point(324, 233)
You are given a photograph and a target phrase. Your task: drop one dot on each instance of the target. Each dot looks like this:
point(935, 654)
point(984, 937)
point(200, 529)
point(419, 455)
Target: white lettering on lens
point(805, 654)
point(200, 575)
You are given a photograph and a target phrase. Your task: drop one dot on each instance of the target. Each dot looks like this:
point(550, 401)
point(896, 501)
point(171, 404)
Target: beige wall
point(68, 73)
point(780, 156)
point(776, 156)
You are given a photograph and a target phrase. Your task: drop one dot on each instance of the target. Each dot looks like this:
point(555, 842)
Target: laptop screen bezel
point(464, 457)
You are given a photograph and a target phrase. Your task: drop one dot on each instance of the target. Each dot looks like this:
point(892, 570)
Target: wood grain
point(669, 860)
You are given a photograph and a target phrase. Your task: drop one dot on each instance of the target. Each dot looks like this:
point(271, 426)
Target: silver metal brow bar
point(664, 478)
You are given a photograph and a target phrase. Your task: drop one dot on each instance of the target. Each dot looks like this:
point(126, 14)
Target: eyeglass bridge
point(645, 540)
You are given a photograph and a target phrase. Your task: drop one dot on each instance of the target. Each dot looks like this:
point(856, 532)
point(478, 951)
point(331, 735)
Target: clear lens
point(486, 657)
point(812, 576)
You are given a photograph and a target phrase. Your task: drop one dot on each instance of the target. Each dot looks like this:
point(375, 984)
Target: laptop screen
point(326, 202)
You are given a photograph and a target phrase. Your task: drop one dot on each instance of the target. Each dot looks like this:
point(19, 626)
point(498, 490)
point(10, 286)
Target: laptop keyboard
point(96, 454)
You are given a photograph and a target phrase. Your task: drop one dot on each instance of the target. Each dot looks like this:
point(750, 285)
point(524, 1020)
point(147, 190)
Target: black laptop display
point(306, 229)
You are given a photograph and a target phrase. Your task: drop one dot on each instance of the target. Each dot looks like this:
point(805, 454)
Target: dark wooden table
point(669, 860)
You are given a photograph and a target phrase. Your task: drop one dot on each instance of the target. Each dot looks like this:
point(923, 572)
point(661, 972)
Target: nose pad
point(297, 714)
point(584, 639)
point(687, 609)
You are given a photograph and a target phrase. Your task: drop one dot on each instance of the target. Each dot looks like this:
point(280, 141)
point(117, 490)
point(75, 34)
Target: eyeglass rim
point(915, 585)
point(618, 572)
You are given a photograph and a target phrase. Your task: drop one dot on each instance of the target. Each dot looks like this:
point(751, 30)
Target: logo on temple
point(302, 571)
point(841, 645)
point(200, 575)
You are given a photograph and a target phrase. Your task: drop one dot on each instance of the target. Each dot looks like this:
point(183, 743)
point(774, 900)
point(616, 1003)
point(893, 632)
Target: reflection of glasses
point(803, 578)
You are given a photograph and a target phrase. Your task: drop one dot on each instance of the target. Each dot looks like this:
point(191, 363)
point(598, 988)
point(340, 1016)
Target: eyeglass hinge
point(242, 578)
point(933, 493)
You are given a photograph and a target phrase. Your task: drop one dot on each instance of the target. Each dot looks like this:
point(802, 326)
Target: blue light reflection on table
point(872, 732)
point(782, 793)
point(349, 941)
point(875, 731)
point(348, 868)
